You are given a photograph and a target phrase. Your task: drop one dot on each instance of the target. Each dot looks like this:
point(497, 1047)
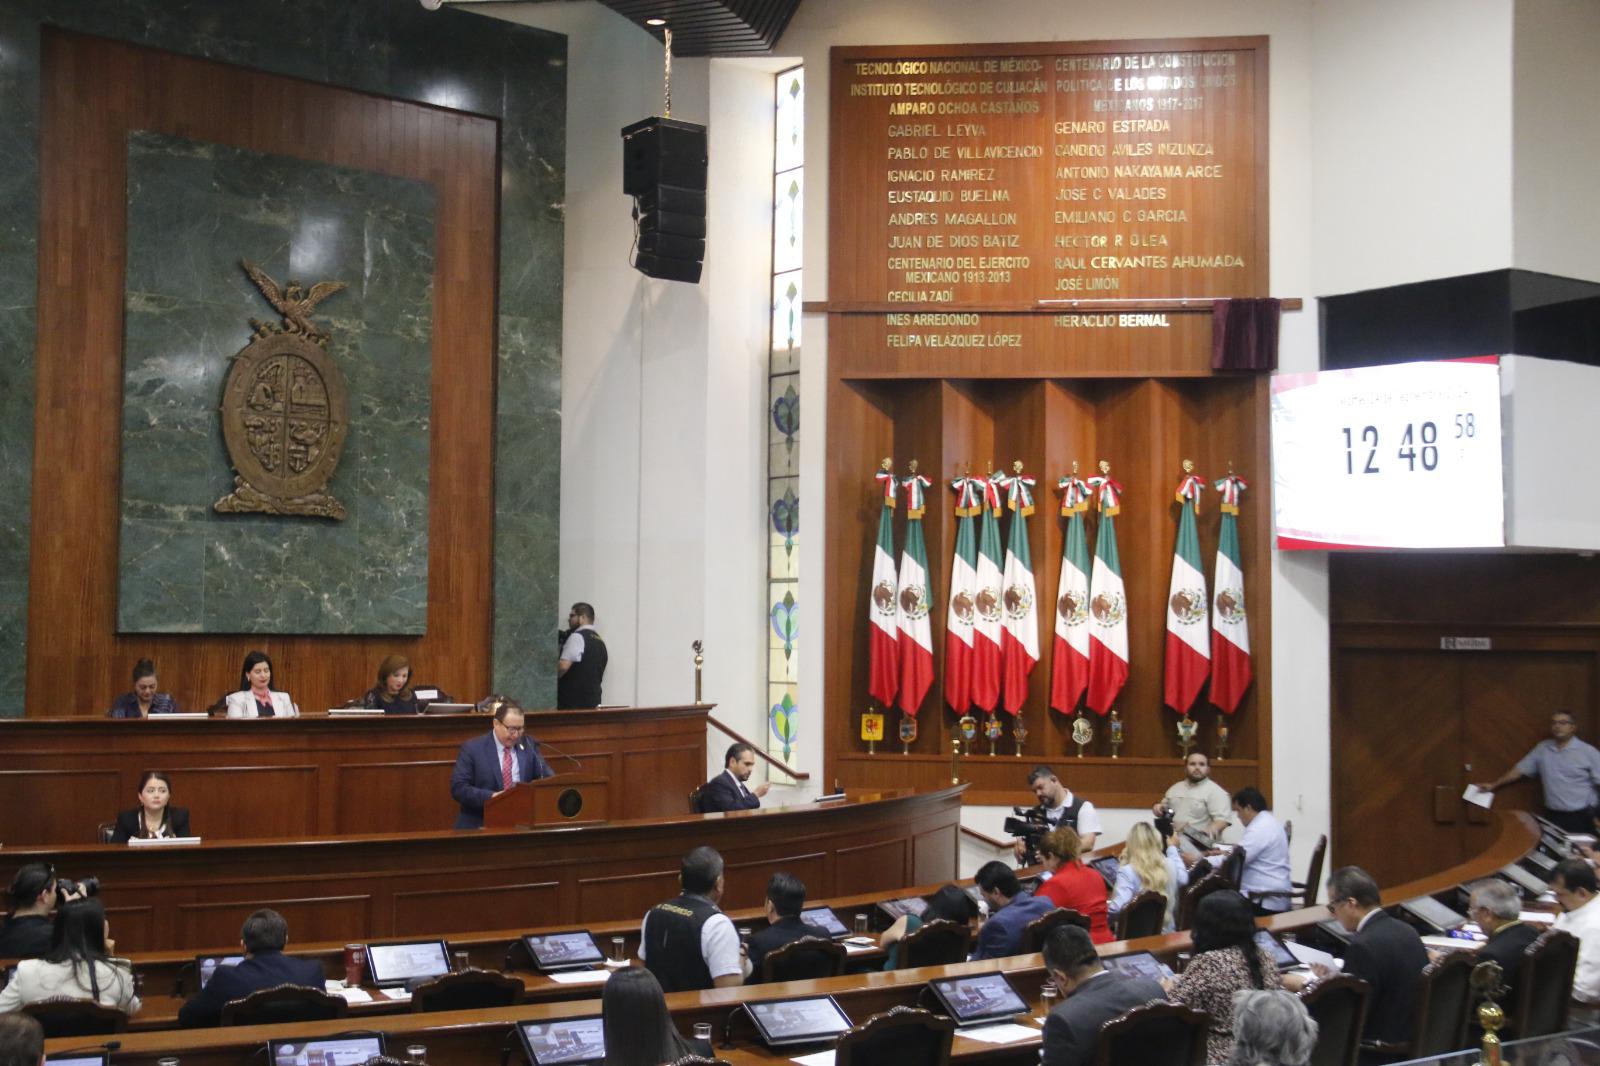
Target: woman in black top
point(393, 693)
point(144, 700)
point(638, 1029)
point(155, 816)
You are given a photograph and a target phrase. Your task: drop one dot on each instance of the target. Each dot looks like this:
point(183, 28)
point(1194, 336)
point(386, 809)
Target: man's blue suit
point(268, 969)
point(477, 774)
point(722, 793)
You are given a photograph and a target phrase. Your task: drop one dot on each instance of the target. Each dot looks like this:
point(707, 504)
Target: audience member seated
point(1271, 1028)
point(78, 965)
point(264, 936)
point(1385, 952)
point(256, 698)
point(1011, 908)
point(1145, 868)
point(949, 904)
point(1092, 995)
point(638, 1028)
point(1575, 888)
point(393, 693)
point(1197, 803)
point(155, 816)
point(21, 1041)
point(687, 942)
point(1226, 960)
point(786, 898)
point(1061, 808)
point(1071, 883)
point(29, 928)
point(1265, 878)
point(144, 700)
point(1496, 907)
point(728, 791)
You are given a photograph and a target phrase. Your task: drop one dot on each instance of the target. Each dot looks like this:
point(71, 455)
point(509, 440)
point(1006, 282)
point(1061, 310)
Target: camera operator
point(1197, 804)
point(1058, 807)
point(32, 899)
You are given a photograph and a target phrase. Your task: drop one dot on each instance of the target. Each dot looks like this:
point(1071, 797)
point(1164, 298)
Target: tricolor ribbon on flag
point(1109, 493)
point(915, 486)
point(1229, 489)
point(889, 483)
point(1189, 490)
point(1074, 495)
point(969, 496)
point(1019, 492)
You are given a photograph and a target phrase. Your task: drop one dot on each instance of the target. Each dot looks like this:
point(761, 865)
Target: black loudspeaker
point(664, 170)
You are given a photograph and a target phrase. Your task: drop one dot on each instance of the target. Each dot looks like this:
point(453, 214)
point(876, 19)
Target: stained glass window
point(782, 620)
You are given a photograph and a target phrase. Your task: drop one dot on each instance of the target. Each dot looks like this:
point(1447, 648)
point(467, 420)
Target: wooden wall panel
point(932, 852)
point(276, 801)
point(881, 864)
point(393, 797)
point(309, 917)
point(93, 92)
point(456, 907)
point(748, 880)
point(599, 897)
point(52, 803)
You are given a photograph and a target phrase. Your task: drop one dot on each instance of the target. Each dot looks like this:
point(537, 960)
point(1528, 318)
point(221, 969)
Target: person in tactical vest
point(1061, 808)
point(687, 942)
point(583, 661)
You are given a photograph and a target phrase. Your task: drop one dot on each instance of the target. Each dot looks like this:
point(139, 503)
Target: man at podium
point(492, 764)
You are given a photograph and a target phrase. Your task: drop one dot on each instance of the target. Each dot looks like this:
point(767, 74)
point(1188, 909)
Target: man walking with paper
point(1568, 769)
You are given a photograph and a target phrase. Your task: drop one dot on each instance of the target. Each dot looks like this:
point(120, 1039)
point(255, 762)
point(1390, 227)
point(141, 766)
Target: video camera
point(89, 886)
point(1164, 825)
point(1030, 826)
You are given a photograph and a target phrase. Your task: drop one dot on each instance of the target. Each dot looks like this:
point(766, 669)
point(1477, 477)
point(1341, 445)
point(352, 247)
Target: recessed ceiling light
point(655, 22)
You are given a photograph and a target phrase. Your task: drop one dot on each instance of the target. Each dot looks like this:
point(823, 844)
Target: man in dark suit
point(491, 764)
point(1497, 907)
point(1093, 996)
point(265, 966)
point(1385, 952)
point(729, 790)
point(786, 898)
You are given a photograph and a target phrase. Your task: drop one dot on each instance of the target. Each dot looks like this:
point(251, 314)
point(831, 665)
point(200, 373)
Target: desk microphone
point(542, 746)
point(109, 1045)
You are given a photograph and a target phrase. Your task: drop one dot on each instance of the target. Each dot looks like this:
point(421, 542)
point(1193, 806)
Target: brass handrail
point(798, 775)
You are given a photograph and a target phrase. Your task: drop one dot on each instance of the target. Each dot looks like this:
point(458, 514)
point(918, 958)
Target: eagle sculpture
point(292, 302)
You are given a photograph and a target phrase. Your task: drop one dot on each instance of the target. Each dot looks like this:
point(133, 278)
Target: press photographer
point(32, 899)
point(1057, 807)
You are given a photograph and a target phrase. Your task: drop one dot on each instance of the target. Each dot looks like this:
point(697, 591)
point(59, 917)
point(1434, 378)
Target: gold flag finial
point(1074, 467)
point(1188, 466)
point(887, 464)
point(912, 466)
point(1105, 467)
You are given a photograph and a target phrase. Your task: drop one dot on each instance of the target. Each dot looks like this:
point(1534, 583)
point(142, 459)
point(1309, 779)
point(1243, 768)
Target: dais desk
point(321, 776)
point(442, 884)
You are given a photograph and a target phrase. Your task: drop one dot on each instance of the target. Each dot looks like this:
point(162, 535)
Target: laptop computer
point(1531, 886)
point(1107, 866)
point(824, 918)
point(393, 965)
point(572, 950)
point(1338, 932)
point(79, 1058)
point(1433, 915)
point(787, 1022)
point(567, 1040)
point(328, 1050)
point(206, 965)
point(1138, 964)
point(1281, 956)
point(449, 708)
point(978, 1000)
point(1539, 864)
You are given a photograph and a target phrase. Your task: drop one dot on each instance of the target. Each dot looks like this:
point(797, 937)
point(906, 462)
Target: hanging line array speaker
point(664, 170)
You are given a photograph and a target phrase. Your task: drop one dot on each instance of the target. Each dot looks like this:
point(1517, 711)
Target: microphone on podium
point(542, 746)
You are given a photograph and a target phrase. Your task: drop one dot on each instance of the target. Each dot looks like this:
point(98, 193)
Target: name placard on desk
point(162, 842)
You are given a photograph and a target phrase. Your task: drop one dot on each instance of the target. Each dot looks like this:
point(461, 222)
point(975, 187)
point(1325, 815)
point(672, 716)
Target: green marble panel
point(194, 210)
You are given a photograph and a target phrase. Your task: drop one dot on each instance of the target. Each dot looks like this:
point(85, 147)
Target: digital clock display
point(1405, 456)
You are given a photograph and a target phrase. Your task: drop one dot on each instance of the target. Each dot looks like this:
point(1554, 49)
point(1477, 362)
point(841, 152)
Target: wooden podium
point(564, 798)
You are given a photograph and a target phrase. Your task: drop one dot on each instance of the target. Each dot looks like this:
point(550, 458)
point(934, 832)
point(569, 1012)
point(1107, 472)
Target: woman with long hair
point(155, 816)
point(949, 904)
point(78, 966)
point(393, 693)
point(1146, 868)
point(256, 697)
point(1072, 884)
point(1226, 960)
point(639, 1031)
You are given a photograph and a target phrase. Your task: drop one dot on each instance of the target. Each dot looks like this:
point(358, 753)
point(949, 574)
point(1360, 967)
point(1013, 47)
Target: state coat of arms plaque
point(284, 415)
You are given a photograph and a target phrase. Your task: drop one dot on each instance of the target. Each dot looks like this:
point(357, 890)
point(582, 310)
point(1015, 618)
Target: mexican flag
point(1108, 607)
point(911, 616)
point(986, 626)
point(962, 611)
point(882, 606)
point(1188, 652)
point(1019, 639)
point(1069, 659)
point(1230, 632)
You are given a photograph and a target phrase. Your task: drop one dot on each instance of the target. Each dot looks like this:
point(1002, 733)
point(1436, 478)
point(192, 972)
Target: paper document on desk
point(1537, 917)
point(580, 977)
point(817, 1058)
point(1449, 943)
point(1311, 956)
point(397, 995)
point(351, 995)
point(1479, 796)
point(1004, 1033)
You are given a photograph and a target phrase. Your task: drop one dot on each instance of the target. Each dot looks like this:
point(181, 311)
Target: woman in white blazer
point(79, 966)
point(255, 698)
